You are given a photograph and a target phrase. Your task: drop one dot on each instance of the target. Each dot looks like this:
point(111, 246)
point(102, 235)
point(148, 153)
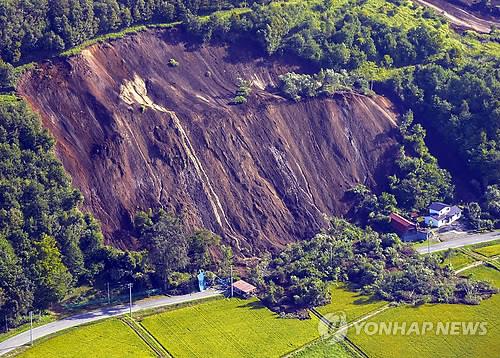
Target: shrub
point(326, 82)
point(173, 62)
point(243, 91)
point(239, 100)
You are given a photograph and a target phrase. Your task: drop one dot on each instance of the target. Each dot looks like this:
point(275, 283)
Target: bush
point(173, 62)
point(239, 100)
point(243, 91)
point(326, 82)
point(180, 282)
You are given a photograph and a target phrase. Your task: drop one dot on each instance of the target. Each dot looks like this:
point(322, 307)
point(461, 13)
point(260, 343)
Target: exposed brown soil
point(461, 16)
point(135, 133)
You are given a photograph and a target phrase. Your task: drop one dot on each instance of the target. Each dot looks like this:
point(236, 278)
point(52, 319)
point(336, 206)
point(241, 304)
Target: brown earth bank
point(135, 133)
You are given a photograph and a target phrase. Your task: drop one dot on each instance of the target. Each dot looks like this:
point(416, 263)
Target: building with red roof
point(406, 229)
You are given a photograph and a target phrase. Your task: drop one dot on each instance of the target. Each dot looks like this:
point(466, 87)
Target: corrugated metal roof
point(244, 286)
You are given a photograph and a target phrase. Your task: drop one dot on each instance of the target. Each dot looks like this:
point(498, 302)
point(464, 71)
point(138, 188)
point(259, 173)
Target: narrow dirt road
point(459, 16)
point(108, 312)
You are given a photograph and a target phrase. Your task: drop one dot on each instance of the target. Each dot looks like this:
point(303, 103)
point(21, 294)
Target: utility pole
point(31, 327)
point(109, 297)
point(429, 243)
point(232, 290)
point(6, 324)
point(331, 257)
point(130, 295)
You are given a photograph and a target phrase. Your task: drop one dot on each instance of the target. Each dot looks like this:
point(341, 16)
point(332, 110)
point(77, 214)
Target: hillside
point(134, 133)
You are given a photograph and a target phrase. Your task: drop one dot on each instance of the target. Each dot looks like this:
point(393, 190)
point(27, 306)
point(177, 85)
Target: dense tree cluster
point(370, 209)
point(486, 217)
point(33, 27)
point(46, 244)
point(418, 180)
point(375, 264)
point(460, 105)
point(326, 82)
point(333, 37)
point(173, 255)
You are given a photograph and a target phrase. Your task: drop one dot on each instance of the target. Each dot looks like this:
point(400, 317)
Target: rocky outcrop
point(136, 133)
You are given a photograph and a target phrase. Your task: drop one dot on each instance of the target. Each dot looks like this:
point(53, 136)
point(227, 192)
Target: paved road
point(461, 240)
point(53, 327)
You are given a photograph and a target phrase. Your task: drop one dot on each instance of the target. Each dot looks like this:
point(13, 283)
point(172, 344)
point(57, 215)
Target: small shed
point(244, 289)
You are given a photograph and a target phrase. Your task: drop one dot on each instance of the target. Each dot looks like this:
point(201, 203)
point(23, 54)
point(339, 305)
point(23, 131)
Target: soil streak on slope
point(135, 133)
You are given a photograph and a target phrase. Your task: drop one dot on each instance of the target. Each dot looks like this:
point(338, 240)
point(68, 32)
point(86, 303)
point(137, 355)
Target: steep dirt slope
point(136, 133)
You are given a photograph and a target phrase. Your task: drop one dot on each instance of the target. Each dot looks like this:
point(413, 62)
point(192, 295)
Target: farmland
point(484, 273)
point(106, 339)
point(351, 303)
point(229, 328)
point(430, 344)
point(324, 349)
point(244, 328)
point(489, 251)
point(458, 260)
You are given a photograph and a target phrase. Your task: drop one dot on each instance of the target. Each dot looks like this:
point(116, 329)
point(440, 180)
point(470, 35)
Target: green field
point(489, 251)
point(353, 304)
point(430, 344)
point(229, 328)
point(484, 273)
point(458, 260)
point(107, 339)
point(325, 349)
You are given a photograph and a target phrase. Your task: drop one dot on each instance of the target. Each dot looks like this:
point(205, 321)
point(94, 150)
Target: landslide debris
point(136, 133)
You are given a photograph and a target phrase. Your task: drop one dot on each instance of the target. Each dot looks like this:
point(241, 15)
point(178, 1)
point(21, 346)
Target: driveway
point(461, 240)
point(92, 316)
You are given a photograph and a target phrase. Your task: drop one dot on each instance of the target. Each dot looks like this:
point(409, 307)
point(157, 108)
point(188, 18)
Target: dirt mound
point(136, 133)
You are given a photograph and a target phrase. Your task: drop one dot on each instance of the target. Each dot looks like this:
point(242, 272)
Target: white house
point(442, 214)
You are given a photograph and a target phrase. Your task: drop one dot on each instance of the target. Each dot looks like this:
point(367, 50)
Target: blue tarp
point(201, 281)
